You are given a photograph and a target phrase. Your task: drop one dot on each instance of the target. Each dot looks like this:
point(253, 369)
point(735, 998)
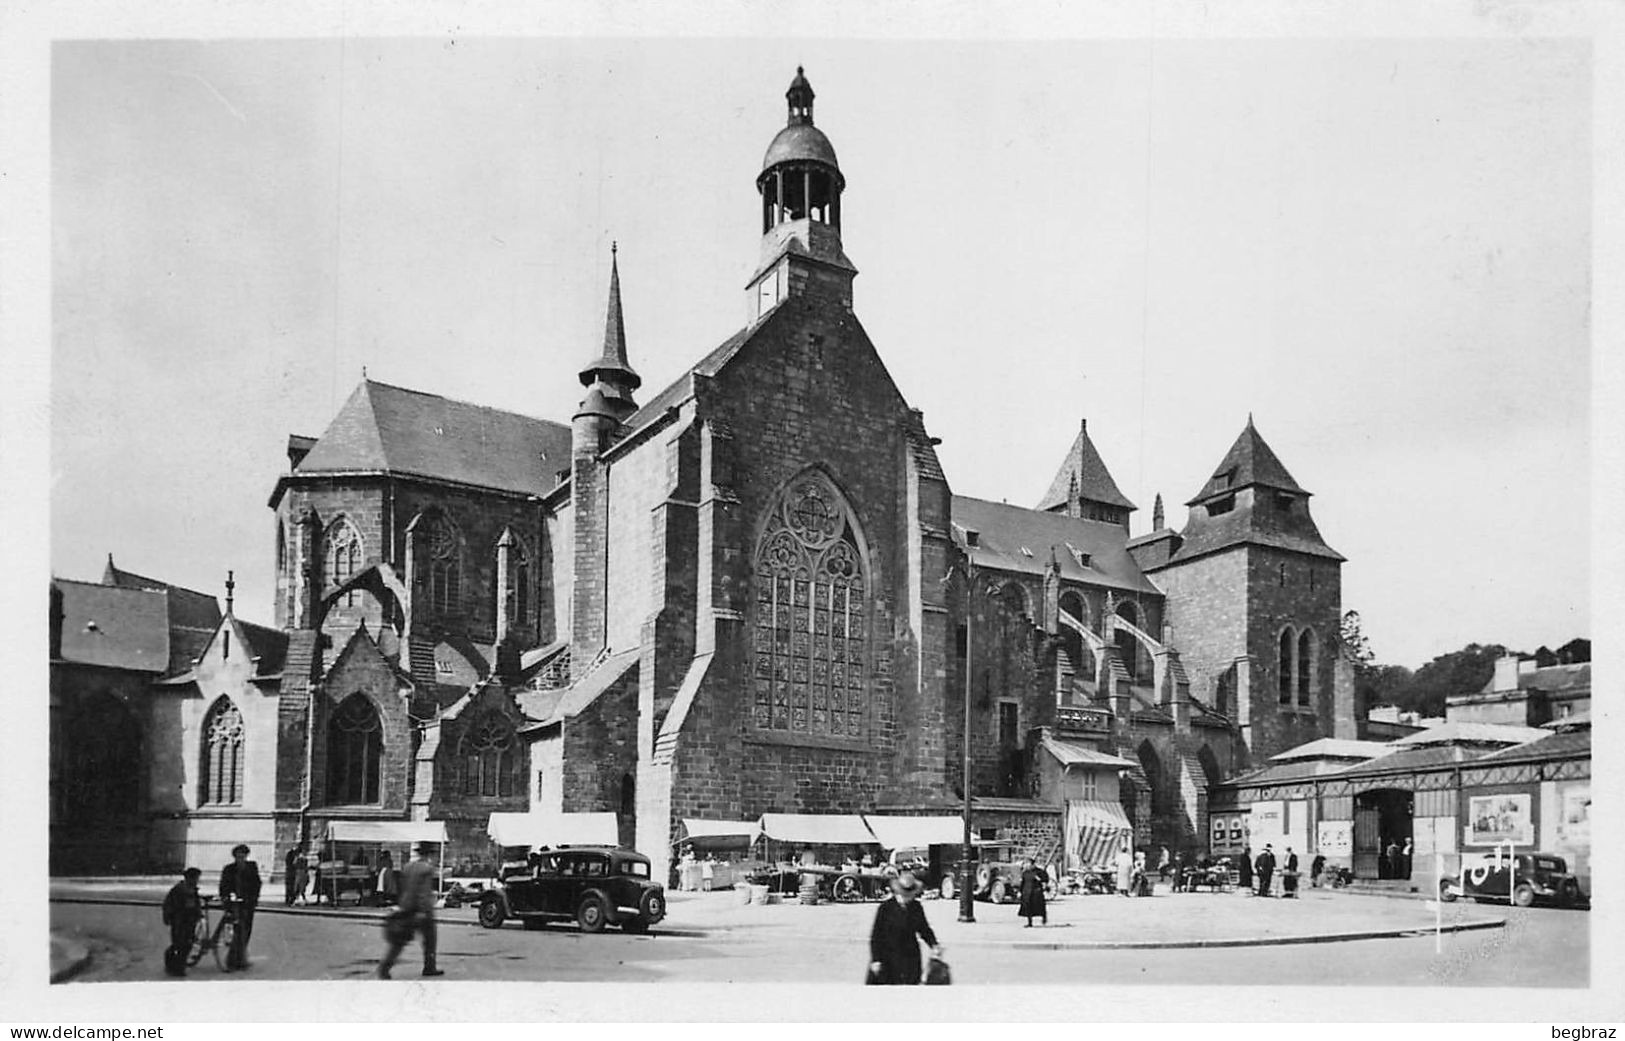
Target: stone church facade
point(752, 591)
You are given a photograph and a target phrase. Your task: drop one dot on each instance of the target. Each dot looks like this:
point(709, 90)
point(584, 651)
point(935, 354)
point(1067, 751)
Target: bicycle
point(218, 939)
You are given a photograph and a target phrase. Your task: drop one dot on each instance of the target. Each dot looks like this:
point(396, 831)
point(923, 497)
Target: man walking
point(1266, 868)
point(290, 877)
point(182, 908)
point(240, 892)
point(414, 914)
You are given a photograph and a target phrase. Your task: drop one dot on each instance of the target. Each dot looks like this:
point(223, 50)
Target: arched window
point(355, 746)
point(341, 556)
point(489, 759)
point(444, 549)
point(103, 765)
point(1284, 679)
point(811, 626)
point(221, 779)
point(1306, 664)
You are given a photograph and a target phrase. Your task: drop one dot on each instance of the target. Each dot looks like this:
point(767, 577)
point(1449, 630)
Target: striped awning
point(1095, 830)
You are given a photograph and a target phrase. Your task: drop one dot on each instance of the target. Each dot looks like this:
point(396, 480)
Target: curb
point(1254, 941)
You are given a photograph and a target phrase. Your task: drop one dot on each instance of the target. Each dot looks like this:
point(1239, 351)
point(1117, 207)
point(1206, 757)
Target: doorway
point(1382, 833)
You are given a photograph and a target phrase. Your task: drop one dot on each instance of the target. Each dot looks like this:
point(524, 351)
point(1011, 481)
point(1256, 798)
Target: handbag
point(871, 978)
point(937, 974)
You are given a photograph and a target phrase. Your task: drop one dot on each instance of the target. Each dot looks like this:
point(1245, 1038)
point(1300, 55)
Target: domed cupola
point(801, 186)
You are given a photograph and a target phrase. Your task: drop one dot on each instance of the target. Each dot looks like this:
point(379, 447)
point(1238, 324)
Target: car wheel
point(949, 888)
point(848, 888)
point(1569, 894)
point(1446, 893)
point(592, 914)
point(999, 891)
point(1523, 896)
point(491, 914)
point(652, 908)
point(984, 875)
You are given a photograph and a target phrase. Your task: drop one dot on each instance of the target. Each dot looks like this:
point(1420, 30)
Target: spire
point(1083, 477)
point(799, 99)
point(231, 587)
point(1249, 461)
point(1156, 514)
point(612, 364)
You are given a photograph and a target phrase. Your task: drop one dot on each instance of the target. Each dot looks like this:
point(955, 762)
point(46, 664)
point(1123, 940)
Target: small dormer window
point(1078, 555)
point(973, 538)
point(1284, 501)
point(1221, 506)
point(443, 666)
point(1026, 552)
point(1224, 479)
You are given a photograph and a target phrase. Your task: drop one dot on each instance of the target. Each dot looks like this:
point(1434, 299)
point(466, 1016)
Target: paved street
point(712, 938)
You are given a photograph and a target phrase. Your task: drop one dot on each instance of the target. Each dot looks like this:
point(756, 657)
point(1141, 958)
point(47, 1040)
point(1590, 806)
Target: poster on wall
point(1335, 838)
point(1574, 827)
point(1493, 819)
point(1264, 823)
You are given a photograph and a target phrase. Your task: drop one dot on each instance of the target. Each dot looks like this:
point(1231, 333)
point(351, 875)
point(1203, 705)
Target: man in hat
point(183, 906)
point(894, 951)
point(1266, 869)
point(414, 913)
point(240, 892)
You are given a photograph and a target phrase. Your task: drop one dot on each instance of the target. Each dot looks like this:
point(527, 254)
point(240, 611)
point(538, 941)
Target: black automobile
point(594, 885)
point(997, 876)
point(1540, 878)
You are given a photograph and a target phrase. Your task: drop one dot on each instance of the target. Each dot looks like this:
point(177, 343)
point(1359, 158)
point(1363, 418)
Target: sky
point(1378, 248)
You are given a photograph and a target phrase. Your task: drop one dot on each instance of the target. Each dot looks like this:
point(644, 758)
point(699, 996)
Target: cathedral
point(750, 591)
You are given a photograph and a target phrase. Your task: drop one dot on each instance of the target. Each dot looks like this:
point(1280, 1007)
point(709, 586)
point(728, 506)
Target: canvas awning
point(830, 829)
point(915, 832)
point(703, 832)
point(1095, 829)
point(554, 829)
point(386, 831)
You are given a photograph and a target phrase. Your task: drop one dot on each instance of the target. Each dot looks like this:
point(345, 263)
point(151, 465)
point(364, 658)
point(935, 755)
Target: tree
point(1459, 672)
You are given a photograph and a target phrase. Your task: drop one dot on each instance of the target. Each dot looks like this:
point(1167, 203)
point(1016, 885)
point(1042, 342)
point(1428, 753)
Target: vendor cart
point(353, 850)
point(822, 850)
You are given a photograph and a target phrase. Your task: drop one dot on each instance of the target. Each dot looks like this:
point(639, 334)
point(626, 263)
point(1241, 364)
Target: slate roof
point(187, 607)
point(269, 645)
point(1458, 731)
point(1285, 773)
point(1249, 461)
point(386, 429)
point(1333, 748)
point(1004, 529)
point(1552, 679)
point(1570, 744)
point(682, 388)
point(117, 627)
point(1405, 760)
point(1084, 466)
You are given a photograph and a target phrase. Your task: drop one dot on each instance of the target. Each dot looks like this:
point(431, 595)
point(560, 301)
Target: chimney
point(1506, 674)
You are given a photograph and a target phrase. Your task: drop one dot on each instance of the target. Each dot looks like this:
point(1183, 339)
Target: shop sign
point(1499, 819)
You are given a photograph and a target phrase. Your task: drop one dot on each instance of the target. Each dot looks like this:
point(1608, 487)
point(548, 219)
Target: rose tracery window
point(488, 760)
point(811, 672)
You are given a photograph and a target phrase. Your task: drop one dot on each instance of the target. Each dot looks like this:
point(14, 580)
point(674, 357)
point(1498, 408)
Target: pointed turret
point(609, 378)
point(1156, 514)
point(1083, 487)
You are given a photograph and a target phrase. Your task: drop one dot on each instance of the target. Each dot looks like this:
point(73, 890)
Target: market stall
point(718, 852)
point(928, 846)
point(829, 849)
point(353, 852)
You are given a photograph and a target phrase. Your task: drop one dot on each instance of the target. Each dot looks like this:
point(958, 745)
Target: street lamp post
point(967, 898)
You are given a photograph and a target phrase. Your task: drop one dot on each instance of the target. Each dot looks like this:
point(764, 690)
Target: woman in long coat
point(894, 942)
point(1033, 881)
point(1125, 868)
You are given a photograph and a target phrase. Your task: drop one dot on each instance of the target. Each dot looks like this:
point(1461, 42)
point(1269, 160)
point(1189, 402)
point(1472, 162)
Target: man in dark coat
point(240, 890)
point(1244, 870)
point(1033, 881)
point(290, 875)
point(182, 908)
point(416, 913)
point(1316, 866)
point(1266, 868)
point(894, 942)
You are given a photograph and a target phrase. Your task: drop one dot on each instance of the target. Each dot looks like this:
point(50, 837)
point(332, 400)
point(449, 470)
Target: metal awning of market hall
point(915, 832)
point(706, 834)
point(817, 829)
point(553, 829)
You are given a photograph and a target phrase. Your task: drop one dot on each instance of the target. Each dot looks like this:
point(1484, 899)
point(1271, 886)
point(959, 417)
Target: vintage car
point(1540, 878)
point(594, 885)
point(997, 876)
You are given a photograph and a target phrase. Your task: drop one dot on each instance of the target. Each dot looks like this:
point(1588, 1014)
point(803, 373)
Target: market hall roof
point(387, 429)
point(1083, 474)
point(1015, 538)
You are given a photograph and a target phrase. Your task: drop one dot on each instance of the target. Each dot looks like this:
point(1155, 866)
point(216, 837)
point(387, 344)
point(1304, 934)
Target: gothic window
point(103, 761)
point(489, 759)
point(355, 746)
point(443, 548)
point(341, 554)
point(1284, 676)
point(811, 625)
point(1306, 669)
point(221, 779)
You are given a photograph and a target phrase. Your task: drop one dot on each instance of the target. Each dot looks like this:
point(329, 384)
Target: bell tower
point(800, 185)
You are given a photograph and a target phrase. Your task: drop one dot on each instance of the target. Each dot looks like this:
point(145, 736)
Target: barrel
point(809, 892)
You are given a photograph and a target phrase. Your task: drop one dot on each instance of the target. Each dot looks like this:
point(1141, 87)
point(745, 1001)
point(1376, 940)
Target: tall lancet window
point(341, 553)
point(811, 674)
point(222, 774)
point(445, 565)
